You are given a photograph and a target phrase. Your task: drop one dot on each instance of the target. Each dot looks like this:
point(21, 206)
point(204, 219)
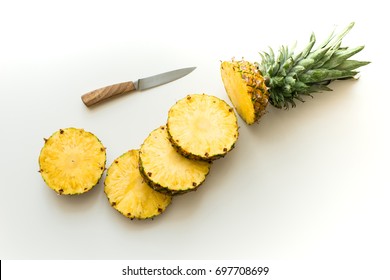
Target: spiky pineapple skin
point(62, 161)
point(167, 171)
point(211, 125)
point(128, 193)
point(246, 89)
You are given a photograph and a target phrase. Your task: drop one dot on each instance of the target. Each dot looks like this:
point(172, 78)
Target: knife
point(104, 93)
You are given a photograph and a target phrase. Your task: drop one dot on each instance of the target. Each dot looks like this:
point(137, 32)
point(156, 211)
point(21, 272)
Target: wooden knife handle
point(101, 94)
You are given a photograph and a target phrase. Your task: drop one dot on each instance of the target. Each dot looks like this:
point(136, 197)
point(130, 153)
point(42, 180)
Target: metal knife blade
point(104, 93)
point(163, 78)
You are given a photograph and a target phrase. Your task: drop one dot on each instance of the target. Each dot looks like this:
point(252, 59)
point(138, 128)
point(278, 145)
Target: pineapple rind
point(167, 171)
point(202, 127)
point(72, 161)
point(128, 193)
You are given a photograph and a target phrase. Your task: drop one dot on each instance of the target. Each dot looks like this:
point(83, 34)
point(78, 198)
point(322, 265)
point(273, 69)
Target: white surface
point(308, 183)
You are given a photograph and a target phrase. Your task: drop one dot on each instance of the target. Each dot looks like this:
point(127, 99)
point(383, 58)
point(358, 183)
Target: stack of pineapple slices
point(174, 159)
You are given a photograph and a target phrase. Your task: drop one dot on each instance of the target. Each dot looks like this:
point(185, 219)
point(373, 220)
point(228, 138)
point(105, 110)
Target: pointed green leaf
point(306, 62)
point(318, 55)
point(351, 64)
point(326, 42)
point(340, 56)
point(297, 69)
point(308, 48)
point(300, 86)
point(321, 75)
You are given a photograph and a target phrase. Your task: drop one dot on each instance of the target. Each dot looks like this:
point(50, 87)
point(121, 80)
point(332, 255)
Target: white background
point(305, 184)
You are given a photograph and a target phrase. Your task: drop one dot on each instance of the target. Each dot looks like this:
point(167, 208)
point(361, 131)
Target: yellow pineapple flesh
point(202, 127)
point(165, 169)
point(246, 89)
point(127, 191)
point(72, 161)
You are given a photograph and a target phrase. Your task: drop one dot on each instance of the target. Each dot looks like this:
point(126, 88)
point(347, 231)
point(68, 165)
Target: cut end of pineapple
point(202, 127)
point(165, 169)
point(246, 89)
point(72, 161)
point(127, 191)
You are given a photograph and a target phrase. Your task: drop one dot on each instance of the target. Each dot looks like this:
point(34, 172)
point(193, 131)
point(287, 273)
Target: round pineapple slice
point(128, 193)
point(72, 161)
point(165, 169)
point(202, 127)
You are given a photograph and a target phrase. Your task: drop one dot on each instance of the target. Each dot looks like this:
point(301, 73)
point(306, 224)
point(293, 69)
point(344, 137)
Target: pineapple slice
point(72, 161)
point(165, 169)
point(202, 127)
point(128, 193)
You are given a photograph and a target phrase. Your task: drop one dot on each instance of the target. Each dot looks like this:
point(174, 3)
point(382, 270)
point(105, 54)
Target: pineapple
point(164, 169)
point(202, 127)
point(128, 193)
point(282, 79)
point(246, 89)
point(72, 161)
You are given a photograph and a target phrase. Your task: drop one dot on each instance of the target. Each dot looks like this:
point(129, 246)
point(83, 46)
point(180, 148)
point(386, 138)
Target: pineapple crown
point(290, 76)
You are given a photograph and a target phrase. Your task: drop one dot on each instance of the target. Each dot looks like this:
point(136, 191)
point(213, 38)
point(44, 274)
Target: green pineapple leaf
point(292, 76)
